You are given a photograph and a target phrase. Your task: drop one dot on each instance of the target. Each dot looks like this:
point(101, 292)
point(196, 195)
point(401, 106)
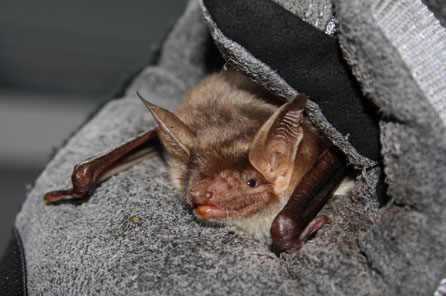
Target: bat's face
point(231, 182)
point(230, 191)
point(229, 196)
point(226, 194)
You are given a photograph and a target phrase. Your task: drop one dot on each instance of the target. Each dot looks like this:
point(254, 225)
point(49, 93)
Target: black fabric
point(13, 268)
point(309, 60)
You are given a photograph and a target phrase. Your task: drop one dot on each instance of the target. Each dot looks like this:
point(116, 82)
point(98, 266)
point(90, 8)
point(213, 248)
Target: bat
point(237, 159)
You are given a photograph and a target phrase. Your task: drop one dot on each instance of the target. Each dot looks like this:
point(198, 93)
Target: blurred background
point(58, 61)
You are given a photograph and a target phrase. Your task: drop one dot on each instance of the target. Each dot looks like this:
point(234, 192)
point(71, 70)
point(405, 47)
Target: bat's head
point(246, 184)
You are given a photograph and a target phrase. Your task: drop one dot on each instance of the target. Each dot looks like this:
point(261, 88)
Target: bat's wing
point(297, 221)
point(95, 170)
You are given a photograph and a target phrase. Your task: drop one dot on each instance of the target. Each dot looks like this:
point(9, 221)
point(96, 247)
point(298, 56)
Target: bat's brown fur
point(224, 113)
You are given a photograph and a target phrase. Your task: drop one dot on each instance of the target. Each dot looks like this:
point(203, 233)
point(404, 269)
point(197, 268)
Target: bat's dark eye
point(252, 182)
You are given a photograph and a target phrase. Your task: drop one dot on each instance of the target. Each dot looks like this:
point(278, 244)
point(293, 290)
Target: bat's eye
point(252, 182)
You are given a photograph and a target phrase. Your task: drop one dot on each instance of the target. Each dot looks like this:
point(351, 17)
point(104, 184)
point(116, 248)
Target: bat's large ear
point(174, 134)
point(274, 148)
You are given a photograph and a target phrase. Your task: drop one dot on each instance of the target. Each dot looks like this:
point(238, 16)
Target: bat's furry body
point(222, 116)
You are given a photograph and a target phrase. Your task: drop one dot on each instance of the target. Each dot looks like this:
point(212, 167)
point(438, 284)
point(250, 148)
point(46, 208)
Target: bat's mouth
point(212, 212)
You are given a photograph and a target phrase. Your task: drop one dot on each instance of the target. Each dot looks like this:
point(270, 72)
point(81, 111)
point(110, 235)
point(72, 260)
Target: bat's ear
point(274, 148)
point(174, 134)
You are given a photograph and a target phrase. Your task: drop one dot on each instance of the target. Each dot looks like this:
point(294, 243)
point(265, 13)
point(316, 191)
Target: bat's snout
point(200, 193)
point(209, 191)
point(207, 196)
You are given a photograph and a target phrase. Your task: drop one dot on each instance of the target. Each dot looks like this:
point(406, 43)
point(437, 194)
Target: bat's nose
point(212, 191)
point(200, 193)
point(201, 196)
